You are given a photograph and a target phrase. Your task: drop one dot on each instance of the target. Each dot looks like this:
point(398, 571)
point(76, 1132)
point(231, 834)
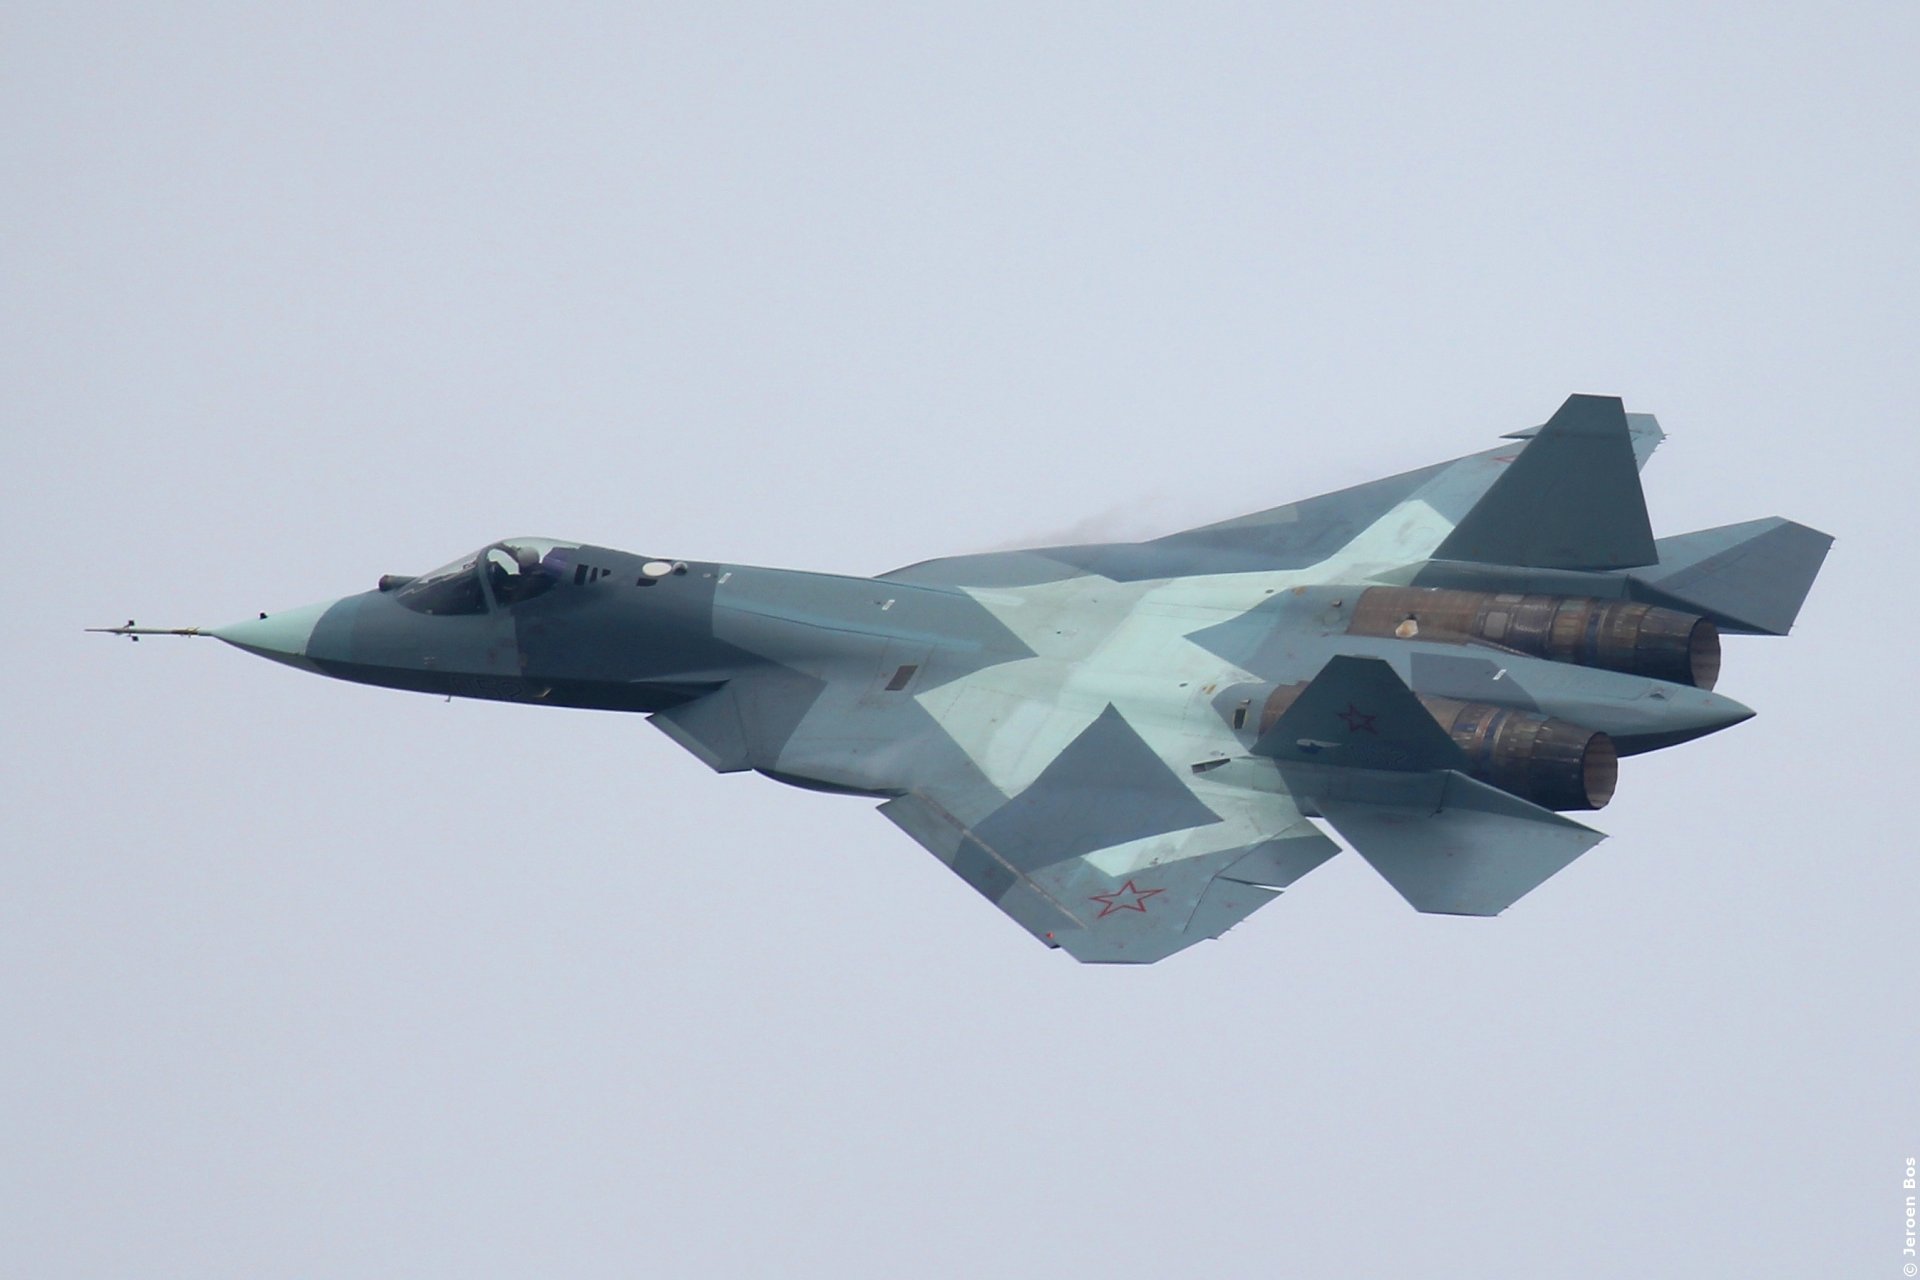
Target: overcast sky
point(300, 978)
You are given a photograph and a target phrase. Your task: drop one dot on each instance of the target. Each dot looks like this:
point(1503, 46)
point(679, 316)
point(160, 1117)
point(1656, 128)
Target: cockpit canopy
point(498, 576)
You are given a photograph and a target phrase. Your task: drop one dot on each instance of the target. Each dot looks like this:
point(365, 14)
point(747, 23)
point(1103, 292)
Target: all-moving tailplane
point(1750, 577)
point(1474, 853)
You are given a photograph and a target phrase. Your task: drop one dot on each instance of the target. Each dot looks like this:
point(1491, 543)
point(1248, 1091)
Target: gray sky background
point(302, 978)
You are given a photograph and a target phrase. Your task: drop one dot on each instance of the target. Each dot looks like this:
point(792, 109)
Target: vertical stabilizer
point(1570, 499)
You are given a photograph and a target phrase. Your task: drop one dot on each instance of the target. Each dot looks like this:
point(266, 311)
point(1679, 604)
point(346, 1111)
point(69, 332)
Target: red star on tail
point(1358, 721)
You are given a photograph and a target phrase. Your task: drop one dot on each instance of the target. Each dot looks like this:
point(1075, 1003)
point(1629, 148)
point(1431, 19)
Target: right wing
point(1110, 853)
point(1115, 857)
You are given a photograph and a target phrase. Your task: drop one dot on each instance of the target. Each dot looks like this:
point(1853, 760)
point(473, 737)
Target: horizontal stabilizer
point(1476, 855)
point(1749, 577)
point(1358, 714)
point(1570, 499)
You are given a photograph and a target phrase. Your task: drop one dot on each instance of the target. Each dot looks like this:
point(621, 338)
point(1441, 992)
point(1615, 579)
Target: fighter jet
point(1127, 747)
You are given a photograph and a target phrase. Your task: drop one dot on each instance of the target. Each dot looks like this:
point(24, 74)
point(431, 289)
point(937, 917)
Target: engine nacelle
point(1553, 763)
point(1616, 635)
point(1548, 761)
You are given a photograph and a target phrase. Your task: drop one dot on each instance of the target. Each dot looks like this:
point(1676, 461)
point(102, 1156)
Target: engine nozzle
point(1615, 635)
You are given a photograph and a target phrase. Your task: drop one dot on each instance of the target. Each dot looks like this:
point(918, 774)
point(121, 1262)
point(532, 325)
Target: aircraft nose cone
point(1683, 716)
point(282, 636)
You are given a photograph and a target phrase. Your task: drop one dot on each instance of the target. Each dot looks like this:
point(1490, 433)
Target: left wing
point(1111, 855)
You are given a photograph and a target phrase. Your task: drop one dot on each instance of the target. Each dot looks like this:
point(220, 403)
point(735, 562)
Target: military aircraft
point(1123, 746)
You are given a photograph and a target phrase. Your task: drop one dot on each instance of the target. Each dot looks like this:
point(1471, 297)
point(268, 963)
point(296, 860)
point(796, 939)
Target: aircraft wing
point(1115, 857)
point(1111, 855)
point(1306, 532)
point(1292, 536)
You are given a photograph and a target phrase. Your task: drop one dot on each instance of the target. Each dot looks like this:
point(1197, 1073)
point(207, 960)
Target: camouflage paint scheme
point(1068, 728)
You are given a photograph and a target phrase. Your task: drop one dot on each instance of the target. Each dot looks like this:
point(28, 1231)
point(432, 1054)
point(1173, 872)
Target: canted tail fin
point(1376, 765)
point(1358, 714)
point(1570, 499)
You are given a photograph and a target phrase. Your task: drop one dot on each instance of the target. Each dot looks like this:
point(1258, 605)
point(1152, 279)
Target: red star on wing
point(1358, 721)
point(1125, 898)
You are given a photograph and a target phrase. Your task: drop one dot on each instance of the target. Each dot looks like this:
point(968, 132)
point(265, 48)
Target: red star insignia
point(1125, 898)
point(1358, 721)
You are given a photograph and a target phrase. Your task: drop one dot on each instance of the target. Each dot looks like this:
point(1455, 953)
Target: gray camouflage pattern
point(1078, 731)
